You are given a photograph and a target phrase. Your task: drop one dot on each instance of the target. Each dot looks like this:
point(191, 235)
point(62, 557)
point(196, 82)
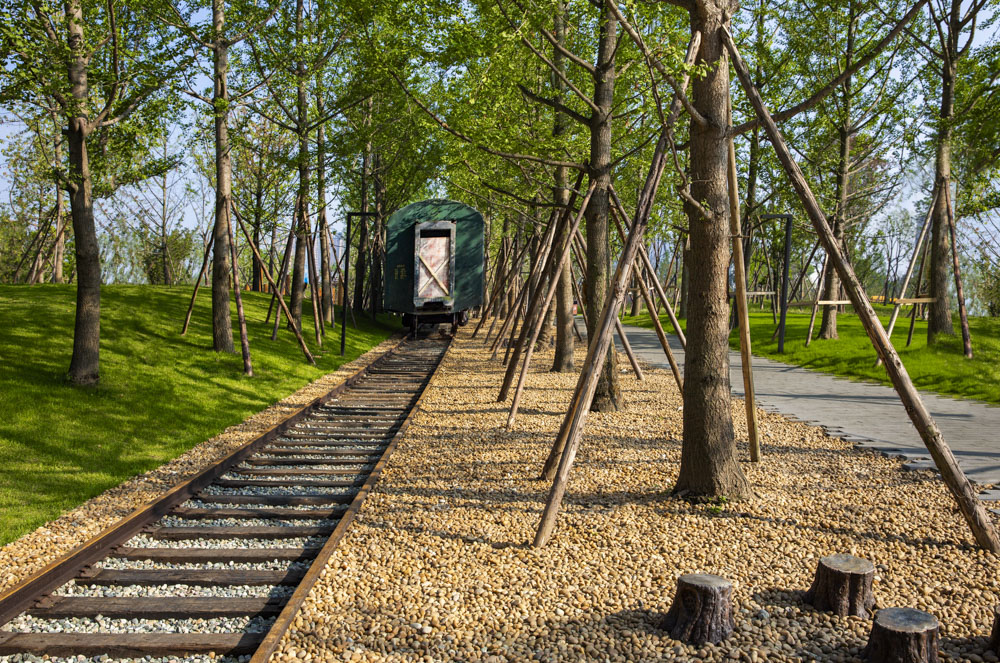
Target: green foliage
point(160, 393)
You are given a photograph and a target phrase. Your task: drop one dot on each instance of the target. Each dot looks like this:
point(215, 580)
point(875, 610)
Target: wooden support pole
point(240, 315)
point(815, 306)
point(550, 292)
point(959, 485)
point(197, 283)
point(541, 299)
point(282, 277)
point(270, 281)
point(784, 284)
point(913, 311)
point(627, 347)
point(909, 269)
point(499, 277)
point(798, 281)
point(746, 358)
point(534, 274)
point(568, 442)
point(282, 271)
point(619, 214)
point(963, 314)
point(314, 290)
point(619, 329)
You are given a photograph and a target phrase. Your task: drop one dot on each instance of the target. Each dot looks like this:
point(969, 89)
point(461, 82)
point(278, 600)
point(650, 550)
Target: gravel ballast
point(437, 566)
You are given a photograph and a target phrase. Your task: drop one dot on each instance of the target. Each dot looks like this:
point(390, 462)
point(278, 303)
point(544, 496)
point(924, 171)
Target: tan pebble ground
point(20, 558)
point(437, 566)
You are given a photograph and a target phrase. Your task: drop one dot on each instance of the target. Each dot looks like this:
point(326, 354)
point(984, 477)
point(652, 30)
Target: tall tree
point(52, 53)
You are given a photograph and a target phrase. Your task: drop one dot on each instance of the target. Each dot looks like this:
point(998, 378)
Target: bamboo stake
point(959, 485)
point(314, 290)
point(798, 281)
point(282, 271)
point(653, 312)
point(244, 340)
point(282, 278)
point(816, 300)
point(913, 311)
point(619, 329)
point(550, 292)
point(909, 269)
point(963, 315)
point(628, 349)
point(500, 269)
point(746, 358)
point(504, 286)
point(526, 288)
point(281, 300)
point(197, 283)
point(563, 450)
point(598, 347)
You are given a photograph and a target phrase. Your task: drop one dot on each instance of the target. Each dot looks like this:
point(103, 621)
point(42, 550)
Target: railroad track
point(223, 561)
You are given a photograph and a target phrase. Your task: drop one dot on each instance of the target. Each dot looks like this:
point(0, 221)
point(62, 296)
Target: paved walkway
point(869, 414)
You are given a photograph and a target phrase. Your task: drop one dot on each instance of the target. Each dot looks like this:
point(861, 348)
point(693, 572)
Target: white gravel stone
point(99, 624)
point(143, 541)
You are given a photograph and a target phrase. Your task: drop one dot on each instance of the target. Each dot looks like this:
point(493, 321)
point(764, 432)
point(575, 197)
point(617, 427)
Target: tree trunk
point(939, 319)
point(326, 280)
point(682, 308)
point(257, 267)
point(60, 249)
point(360, 263)
point(708, 455)
point(84, 365)
point(608, 395)
point(222, 324)
point(302, 222)
point(828, 325)
point(378, 232)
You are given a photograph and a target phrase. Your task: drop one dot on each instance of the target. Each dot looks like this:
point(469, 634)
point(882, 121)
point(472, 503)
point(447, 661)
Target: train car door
point(434, 260)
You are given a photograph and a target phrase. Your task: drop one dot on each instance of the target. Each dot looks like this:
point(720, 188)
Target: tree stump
point(903, 635)
point(843, 586)
point(702, 610)
point(995, 635)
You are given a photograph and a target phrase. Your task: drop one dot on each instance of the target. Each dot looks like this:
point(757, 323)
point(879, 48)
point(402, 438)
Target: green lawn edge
point(160, 393)
point(940, 368)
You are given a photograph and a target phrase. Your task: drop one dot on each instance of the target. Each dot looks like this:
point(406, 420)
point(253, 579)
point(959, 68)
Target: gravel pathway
point(436, 567)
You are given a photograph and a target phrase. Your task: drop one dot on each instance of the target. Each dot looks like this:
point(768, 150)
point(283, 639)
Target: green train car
point(434, 262)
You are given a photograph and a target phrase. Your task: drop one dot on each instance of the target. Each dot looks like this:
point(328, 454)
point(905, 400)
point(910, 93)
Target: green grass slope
point(941, 368)
point(160, 394)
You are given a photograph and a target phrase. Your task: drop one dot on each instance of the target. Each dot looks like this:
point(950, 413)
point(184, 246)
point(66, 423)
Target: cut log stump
point(903, 635)
point(843, 586)
point(995, 635)
point(702, 610)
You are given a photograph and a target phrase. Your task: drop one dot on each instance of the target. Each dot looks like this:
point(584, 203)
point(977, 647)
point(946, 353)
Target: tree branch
point(823, 92)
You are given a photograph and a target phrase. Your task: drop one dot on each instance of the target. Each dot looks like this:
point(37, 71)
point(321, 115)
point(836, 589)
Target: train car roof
point(437, 209)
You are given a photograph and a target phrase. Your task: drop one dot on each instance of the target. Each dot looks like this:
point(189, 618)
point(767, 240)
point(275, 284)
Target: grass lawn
point(941, 368)
point(160, 393)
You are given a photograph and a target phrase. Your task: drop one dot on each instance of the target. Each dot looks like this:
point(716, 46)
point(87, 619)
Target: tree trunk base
point(843, 586)
point(903, 635)
point(995, 635)
point(702, 610)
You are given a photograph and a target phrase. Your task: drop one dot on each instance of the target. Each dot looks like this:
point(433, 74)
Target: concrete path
point(869, 414)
